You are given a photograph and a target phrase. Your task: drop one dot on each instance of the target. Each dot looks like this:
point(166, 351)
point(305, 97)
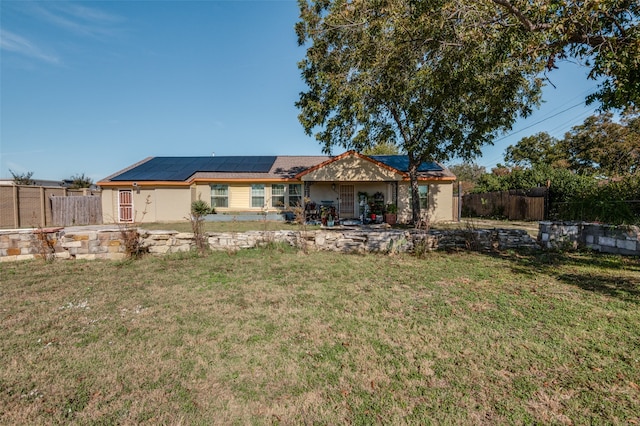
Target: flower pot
point(390, 218)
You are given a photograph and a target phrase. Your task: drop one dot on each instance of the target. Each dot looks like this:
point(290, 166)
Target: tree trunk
point(415, 193)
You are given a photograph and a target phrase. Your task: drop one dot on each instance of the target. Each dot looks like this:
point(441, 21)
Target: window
point(423, 191)
point(219, 195)
point(295, 195)
point(277, 195)
point(286, 195)
point(257, 195)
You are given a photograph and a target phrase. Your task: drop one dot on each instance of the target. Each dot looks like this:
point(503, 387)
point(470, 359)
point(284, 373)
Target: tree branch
point(521, 17)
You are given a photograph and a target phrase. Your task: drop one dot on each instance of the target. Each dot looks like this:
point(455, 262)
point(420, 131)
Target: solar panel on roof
point(181, 168)
point(401, 163)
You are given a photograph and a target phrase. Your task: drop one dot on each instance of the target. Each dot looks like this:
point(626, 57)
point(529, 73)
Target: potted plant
point(330, 220)
point(327, 215)
point(391, 214)
point(324, 215)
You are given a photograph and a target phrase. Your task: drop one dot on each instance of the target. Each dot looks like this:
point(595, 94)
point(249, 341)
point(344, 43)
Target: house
point(351, 184)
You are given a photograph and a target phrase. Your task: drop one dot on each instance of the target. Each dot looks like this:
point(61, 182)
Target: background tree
point(598, 146)
point(563, 183)
point(382, 148)
point(22, 178)
point(540, 148)
point(573, 196)
point(604, 35)
point(468, 174)
point(604, 147)
point(80, 181)
point(437, 78)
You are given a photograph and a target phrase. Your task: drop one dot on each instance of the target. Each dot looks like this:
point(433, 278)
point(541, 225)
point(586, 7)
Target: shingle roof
point(284, 167)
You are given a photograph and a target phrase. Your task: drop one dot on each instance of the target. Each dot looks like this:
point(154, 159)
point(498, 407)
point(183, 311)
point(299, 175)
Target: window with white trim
point(219, 195)
point(257, 195)
point(283, 196)
point(278, 195)
point(295, 195)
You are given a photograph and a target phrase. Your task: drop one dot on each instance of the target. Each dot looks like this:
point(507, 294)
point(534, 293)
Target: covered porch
point(346, 202)
point(350, 187)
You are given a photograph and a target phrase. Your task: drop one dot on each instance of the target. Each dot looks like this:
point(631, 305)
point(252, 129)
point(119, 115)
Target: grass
point(278, 337)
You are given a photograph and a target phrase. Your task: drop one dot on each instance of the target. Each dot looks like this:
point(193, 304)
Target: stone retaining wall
point(110, 244)
point(623, 240)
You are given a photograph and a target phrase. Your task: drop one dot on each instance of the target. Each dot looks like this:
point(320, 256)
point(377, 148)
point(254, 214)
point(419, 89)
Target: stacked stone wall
point(624, 240)
point(59, 243)
point(55, 243)
point(110, 243)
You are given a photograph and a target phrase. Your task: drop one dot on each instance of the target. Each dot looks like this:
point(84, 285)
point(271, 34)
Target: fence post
point(16, 209)
point(459, 201)
point(43, 208)
point(547, 207)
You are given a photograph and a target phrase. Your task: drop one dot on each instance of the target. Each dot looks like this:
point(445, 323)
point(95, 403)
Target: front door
point(125, 205)
point(347, 201)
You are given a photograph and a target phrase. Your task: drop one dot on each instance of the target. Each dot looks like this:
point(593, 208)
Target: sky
point(93, 87)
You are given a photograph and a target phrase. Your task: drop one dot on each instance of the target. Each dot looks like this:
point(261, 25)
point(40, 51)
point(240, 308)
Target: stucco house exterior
point(165, 187)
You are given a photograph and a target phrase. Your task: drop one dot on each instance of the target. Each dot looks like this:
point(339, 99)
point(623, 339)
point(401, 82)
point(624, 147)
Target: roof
point(184, 170)
point(401, 163)
point(396, 163)
point(426, 170)
point(35, 182)
point(284, 167)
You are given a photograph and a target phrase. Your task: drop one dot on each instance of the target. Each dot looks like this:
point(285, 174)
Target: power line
point(490, 162)
point(553, 113)
point(537, 122)
point(570, 123)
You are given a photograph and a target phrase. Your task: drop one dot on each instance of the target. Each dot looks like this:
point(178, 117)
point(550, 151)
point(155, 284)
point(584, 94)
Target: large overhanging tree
point(602, 34)
point(439, 78)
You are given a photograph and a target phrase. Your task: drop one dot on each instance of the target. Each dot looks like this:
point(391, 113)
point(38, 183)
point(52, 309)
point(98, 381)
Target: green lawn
point(276, 336)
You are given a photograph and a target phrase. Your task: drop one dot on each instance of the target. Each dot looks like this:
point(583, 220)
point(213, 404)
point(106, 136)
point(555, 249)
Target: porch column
point(307, 189)
point(395, 192)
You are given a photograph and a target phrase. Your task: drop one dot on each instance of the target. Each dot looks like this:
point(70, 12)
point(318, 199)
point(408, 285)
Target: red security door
point(125, 205)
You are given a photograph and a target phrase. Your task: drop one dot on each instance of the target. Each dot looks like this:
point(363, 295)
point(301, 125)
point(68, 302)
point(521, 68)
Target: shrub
point(199, 209)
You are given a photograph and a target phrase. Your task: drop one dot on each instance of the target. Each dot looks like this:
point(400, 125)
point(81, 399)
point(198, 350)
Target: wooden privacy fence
point(70, 211)
point(26, 206)
point(513, 205)
point(454, 206)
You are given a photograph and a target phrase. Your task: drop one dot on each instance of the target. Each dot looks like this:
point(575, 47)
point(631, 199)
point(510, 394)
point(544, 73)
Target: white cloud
point(91, 14)
point(14, 43)
point(78, 19)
